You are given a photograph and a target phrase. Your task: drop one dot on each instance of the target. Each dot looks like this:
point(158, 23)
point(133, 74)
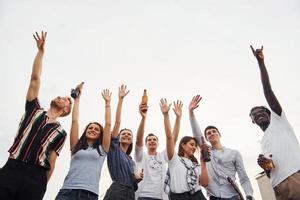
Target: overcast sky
point(173, 48)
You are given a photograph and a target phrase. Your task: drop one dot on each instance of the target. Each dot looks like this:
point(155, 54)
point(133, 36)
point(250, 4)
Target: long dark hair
point(82, 142)
point(185, 140)
point(128, 152)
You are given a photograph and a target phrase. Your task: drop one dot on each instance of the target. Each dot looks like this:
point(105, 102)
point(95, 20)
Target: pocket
point(63, 193)
point(93, 197)
point(277, 192)
point(281, 191)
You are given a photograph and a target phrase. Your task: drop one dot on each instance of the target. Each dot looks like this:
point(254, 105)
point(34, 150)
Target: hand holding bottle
point(75, 93)
point(144, 102)
point(265, 163)
point(205, 151)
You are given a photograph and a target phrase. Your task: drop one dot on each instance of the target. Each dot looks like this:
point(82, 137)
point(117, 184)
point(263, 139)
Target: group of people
point(151, 175)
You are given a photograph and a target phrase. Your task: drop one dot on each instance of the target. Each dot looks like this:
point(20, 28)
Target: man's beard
point(55, 105)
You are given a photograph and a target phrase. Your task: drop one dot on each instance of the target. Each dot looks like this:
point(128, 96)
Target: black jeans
point(20, 180)
point(187, 196)
point(119, 191)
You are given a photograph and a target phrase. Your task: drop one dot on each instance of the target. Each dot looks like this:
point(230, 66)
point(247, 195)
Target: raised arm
point(178, 112)
point(138, 153)
point(75, 119)
point(194, 124)
point(122, 94)
point(165, 107)
point(106, 94)
point(35, 79)
point(268, 92)
point(140, 132)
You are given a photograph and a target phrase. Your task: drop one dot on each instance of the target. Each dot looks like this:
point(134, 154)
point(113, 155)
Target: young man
point(224, 162)
point(152, 162)
point(279, 143)
point(38, 141)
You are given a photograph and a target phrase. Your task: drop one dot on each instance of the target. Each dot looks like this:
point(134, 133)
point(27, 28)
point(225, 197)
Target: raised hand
point(194, 103)
point(79, 87)
point(178, 108)
point(106, 94)
point(164, 106)
point(258, 53)
point(40, 40)
point(122, 91)
point(143, 110)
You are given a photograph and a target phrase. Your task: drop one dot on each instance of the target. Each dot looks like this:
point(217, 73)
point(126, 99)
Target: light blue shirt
point(224, 163)
point(85, 170)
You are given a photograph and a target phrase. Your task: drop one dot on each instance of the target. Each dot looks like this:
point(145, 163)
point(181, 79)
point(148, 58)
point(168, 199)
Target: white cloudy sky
point(174, 48)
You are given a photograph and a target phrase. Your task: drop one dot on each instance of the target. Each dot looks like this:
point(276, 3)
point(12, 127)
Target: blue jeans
point(187, 196)
point(71, 194)
point(231, 198)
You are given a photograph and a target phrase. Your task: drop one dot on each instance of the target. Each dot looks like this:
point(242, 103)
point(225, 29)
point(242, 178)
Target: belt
point(219, 198)
point(84, 193)
point(24, 165)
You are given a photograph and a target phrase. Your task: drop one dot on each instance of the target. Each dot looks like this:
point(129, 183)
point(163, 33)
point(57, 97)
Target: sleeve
point(196, 130)
point(114, 143)
point(102, 150)
point(138, 153)
point(243, 177)
point(30, 105)
point(59, 141)
point(173, 160)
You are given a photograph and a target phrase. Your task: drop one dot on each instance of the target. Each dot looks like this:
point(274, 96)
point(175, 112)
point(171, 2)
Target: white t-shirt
point(154, 167)
point(178, 173)
point(280, 140)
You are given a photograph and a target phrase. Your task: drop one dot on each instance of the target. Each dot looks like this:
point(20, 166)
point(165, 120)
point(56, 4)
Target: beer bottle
point(204, 152)
point(75, 92)
point(205, 155)
point(144, 101)
point(144, 98)
point(269, 165)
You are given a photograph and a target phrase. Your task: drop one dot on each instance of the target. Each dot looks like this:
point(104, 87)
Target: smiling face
point(151, 142)
point(189, 148)
point(125, 137)
point(260, 116)
point(92, 132)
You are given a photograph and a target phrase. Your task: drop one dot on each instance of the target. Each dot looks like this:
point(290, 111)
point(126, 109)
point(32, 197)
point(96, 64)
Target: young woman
point(87, 155)
point(185, 175)
point(120, 165)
